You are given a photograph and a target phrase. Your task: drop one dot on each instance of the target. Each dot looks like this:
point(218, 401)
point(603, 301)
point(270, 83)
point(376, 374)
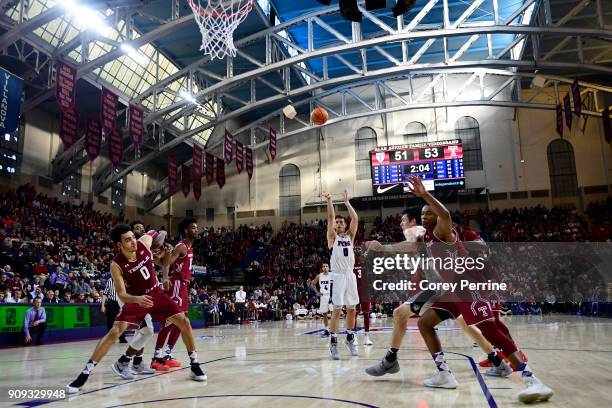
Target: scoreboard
point(438, 164)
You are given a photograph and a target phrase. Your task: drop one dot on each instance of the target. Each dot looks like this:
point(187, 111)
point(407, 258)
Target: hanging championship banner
point(10, 101)
point(272, 145)
point(220, 172)
point(559, 120)
point(249, 161)
point(172, 174)
point(93, 138)
point(115, 147)
point(210, 167)
point(605, 115)
point(239, 156)
point(108, 112)
point(577, 98)
point(69, 127)
point(65, 86)
point(228, 147)
point(136, 125)
point(568, 111)
point(186, 175)
point(197, 183)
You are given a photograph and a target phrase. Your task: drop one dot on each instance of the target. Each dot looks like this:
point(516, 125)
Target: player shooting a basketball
point(133, 268)
point(340, 241)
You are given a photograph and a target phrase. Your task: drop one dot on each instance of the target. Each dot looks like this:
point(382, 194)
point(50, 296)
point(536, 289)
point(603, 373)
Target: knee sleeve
point(141, 337)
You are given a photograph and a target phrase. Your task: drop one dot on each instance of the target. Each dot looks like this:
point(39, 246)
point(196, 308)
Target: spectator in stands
point(8, 296)
point(41, 271)
point(2, 297)
point(20, 297)
point(35, 323)
point(4, 282)
point(68, 298)
point(50, 297)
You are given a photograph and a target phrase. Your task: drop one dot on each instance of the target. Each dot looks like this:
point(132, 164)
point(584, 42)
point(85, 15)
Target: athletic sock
point(334, 338)
point(525, 370)
point(350, 335)
point(89, 367)
point(391, 355)
point(137, 360)
point(193, 356)
point(125, 359)
point(440, 361)
point(494, 358)
point(168, 351)
point(158, 353)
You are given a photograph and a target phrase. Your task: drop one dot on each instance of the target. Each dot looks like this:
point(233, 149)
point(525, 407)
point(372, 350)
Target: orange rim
point(216, 14)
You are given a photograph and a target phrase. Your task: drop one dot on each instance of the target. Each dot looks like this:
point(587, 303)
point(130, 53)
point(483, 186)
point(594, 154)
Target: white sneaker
point(351, 348)
point(442, 379)
point(503, 370)
point(535, 391)
point(122, 370)
point(142, 369)
point(367, 340)
point(355, 342)
point(72, 390)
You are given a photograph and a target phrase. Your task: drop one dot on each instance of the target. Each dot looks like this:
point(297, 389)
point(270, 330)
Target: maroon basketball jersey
point(438, 249)
point(181, 268)
point(139, 275)
point(362, 283)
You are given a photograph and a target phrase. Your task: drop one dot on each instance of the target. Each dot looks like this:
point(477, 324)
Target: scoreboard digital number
point(438, 164)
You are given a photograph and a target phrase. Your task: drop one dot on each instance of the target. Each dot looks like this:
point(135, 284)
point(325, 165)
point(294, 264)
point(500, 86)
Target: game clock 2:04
point(418, 168)
point(425, 153)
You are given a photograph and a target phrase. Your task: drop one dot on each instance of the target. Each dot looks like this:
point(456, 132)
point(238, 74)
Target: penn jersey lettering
point(342, 256)
point(324, 282)
point(181, 268)
point(139, 275)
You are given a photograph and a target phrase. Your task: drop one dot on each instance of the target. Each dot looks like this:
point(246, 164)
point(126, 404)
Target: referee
point(110, 306)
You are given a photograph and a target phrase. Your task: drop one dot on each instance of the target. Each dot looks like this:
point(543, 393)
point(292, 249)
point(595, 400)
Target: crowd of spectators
point(60, 252)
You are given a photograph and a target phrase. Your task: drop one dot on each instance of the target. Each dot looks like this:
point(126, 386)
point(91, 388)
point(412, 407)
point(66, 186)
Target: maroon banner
point(197, 183)
point(560, 120)
point(272, 145)
point(172, 174)
point(239, 156)
point(249, 161)
point(108, 112)
point(210, 167)
point(220, 172)
point(186, 175)
point(228, 147)
point(605, 115)
point(69, 127)
point(577, 98)
point(136, 125)
point(93, 138)
point(196, 160)
point(567, 105)
point(65, 86)
point(115, 147)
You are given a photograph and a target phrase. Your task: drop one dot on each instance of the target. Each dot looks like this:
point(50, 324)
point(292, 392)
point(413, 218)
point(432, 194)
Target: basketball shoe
point(122, 370)
point(196, 373)
point(367, 341)
point(442, 379)
point(383, 367)
point(535, 391)
point(333, 349)
point(350, 346)
point(159, 364)
point(170, 362)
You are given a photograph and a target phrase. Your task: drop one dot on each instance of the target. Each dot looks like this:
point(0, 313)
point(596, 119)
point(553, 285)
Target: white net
point(218, 19)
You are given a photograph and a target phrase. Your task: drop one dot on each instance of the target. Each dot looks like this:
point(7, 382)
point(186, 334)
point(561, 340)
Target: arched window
point(562, 168)
point(415, 132)
point(289, 190)
point(364, 142)
point(468, 130)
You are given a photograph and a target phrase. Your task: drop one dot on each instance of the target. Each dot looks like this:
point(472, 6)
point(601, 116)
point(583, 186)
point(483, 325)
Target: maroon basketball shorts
point(163, 308)
point(179, 293)
point(473, 312)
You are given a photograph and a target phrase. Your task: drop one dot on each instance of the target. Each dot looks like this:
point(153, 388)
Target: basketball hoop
point(218, 19)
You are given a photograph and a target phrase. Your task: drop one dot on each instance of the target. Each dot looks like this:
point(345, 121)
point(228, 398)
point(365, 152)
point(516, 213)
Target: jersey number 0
point(144, 271)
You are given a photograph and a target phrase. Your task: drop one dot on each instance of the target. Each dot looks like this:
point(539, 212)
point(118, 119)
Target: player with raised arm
point(180, 259)
point(340, 241)
point(443, 242)
point(323, 279)
point(132, 269)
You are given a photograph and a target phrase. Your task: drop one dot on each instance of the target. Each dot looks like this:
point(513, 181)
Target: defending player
point(181, 260)
point(323, 279)
point(344, 285)
point(365, 304)
point(442, 243)
point(132, 269)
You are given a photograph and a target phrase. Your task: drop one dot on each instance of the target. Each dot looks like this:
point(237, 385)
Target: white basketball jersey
point(342, 256)
point(324, 283)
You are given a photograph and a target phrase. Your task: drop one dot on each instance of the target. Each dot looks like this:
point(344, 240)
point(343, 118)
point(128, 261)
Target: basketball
point(319, 116)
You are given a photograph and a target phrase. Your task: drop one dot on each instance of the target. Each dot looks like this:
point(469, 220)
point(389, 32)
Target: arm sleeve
point(44, 315)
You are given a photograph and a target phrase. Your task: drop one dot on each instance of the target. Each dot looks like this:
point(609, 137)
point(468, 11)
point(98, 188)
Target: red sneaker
point(172, 363)
point(156, 365)
point(487, 364)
